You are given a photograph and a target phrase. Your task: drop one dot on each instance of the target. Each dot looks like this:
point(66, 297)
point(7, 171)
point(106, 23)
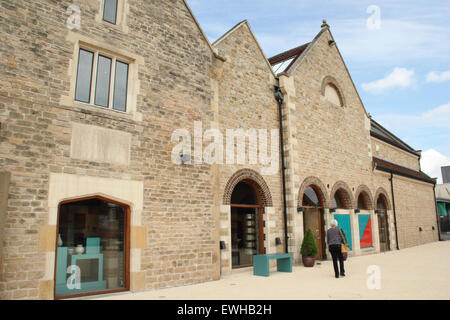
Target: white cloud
point(436, 77)
point(436, 119)
point(400, 77)
point(431, 163)
point(438, 114)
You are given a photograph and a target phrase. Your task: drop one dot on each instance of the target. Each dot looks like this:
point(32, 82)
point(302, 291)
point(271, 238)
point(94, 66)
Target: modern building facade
point(109, 180)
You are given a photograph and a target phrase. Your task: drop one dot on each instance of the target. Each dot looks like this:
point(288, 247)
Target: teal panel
point(363, 220)
point(61, 266)
point(442, 209)
point(344, 223)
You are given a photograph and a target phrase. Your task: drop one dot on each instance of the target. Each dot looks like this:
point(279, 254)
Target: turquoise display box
point(92, 253)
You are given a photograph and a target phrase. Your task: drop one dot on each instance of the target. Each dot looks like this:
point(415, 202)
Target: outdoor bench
point(261, 263)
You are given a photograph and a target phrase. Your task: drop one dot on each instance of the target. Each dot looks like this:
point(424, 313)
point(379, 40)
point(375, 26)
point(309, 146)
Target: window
point(338, 200)
point(362, 202)
point(102, 80)
point(110, 11)
point(311, 198)
point(92, 247)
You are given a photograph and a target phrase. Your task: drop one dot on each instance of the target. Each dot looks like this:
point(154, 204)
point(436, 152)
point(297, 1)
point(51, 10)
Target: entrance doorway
point(313, 219)
point(383, 229)
point(247, 233)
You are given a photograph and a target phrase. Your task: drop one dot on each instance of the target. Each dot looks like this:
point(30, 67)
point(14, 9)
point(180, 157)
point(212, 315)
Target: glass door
point(245, 235)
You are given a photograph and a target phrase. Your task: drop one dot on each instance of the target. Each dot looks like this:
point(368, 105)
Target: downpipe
point(280, 99)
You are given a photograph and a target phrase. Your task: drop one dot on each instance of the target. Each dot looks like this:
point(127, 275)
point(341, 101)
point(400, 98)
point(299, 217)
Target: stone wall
point(171, 88)
point(246, 101)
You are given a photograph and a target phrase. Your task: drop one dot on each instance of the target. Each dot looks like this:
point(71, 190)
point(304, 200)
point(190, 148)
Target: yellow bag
point(345, 247)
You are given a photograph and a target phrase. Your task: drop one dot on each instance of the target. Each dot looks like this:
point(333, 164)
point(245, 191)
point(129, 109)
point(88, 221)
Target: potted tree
point(308, 249)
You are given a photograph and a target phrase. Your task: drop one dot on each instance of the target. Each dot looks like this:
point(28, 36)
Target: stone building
point(95, 96)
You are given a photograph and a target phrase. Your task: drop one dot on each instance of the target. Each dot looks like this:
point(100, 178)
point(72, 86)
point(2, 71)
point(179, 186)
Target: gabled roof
point(303, 52)
point(236, 27)
point(381, 133)
point(214, 52)
point(283, 61)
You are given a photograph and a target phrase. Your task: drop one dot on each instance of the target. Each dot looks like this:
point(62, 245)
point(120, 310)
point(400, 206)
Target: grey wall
point(446, 174)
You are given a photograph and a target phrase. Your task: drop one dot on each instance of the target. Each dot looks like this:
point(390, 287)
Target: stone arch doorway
point(383, 222)
point(312, 197)
point(247, 226)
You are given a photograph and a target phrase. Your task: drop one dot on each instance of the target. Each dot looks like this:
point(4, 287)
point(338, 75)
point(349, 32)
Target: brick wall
point(388, 152)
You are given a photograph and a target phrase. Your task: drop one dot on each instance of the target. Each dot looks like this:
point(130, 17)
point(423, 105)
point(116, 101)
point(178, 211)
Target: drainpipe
point(280, 98)
point(393, 207)
point(437, 213)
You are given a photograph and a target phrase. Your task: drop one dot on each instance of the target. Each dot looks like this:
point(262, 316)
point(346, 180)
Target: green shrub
point(309, 247)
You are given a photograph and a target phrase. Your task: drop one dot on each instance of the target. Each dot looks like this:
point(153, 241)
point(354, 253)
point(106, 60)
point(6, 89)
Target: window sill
point(69, 104)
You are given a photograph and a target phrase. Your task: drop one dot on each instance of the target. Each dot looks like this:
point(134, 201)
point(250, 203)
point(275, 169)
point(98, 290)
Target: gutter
point(280, 98)
point(391, 179)
point(437, 213)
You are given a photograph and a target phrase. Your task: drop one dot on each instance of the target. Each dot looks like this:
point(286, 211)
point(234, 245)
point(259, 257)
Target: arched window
point(338, 200)
point(92, 253)
point(244, 193)
point(311, 198)
point(381, 202)
point(362, 204)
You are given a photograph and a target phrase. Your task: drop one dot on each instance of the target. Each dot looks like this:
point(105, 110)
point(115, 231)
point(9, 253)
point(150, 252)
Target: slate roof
point(387, 166)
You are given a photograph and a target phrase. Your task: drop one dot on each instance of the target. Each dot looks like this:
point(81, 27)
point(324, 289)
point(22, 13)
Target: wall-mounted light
point(332, 210)
point(185, 158)
point(300, 209)
point(357, 211)
point(277, 241)
point(222, 245)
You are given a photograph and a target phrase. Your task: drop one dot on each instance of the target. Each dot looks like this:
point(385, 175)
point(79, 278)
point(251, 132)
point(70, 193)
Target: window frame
point(127, 246)
point(122, 11)
point(116, 13)
point(94, 73)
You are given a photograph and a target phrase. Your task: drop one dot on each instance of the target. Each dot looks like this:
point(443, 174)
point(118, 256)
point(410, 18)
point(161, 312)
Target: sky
point(397, 52)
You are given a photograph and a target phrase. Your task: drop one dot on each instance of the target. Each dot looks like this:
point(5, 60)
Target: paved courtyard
point(421, 272)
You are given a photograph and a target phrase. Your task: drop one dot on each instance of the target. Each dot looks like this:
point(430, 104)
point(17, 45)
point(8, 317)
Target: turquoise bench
point(261, 263)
